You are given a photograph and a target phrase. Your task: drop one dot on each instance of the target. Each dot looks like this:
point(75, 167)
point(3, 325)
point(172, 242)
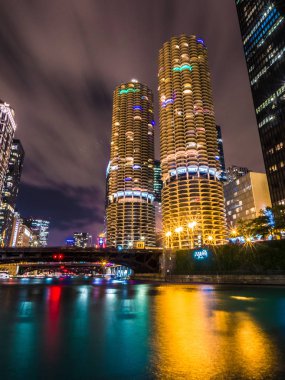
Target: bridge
point(139, 260)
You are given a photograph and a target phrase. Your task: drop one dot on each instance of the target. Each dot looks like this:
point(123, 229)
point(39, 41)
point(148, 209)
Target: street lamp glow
point(210, 238)
point(178, 230)
point(192, 225)
point(234, 232)
point(168, 234)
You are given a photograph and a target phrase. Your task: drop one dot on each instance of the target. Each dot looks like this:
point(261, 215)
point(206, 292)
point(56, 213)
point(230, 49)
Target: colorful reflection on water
point(69, 329)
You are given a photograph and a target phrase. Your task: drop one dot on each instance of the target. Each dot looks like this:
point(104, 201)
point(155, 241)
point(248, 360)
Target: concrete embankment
point(213, 279)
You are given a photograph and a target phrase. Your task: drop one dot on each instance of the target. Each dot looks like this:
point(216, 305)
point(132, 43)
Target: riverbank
point(213, 279)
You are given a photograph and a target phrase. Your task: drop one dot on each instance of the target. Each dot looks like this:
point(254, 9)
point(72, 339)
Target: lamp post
point(178, 230)
point(191, 227)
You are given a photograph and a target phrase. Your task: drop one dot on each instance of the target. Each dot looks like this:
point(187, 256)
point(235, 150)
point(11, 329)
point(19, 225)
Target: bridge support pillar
point(167, 262)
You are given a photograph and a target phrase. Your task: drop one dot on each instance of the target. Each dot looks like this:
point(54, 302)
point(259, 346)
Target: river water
point(95, 329)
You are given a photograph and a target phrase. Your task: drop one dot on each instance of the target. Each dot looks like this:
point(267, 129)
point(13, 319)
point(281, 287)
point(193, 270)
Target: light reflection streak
point(195, 338)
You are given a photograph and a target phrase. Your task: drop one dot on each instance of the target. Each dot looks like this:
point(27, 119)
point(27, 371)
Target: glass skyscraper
point(130, 174)
point(10, 191)
point(157, 181)
point(262, 24)
point(221, 154)
point(192, 196)
point(40, 230)
point(7, 131)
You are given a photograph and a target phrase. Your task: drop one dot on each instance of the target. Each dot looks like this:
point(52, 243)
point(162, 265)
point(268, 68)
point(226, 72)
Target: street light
point(192, 225)
point(178, 230)
point(210, 238)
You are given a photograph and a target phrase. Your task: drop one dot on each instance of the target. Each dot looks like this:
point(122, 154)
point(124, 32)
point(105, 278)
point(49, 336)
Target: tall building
point(192, 196)
point(10, 191)
point(234, 172)
point(130, 209)
point(21, 234)
point(157, 181)
point(262, 24)
point(17, 222)
point(221, 156)
point(82, 239)
point(40, 230)
point(7, 130)
point(245, 197)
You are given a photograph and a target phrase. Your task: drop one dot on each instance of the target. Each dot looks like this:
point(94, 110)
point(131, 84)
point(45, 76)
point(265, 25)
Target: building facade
point(21, 235)
point(262, 24)
point(10, 191)
point(245, 197)
point(40, 230)
point(157, 181)
point(192, 196)
point(7, 131)
point(130, 209)
point(82, 239)
point(221, 156)
point(234, 172)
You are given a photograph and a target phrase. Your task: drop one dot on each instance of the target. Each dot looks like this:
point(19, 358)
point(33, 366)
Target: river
point(97, 329)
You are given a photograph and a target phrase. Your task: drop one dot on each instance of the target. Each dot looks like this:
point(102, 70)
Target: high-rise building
point(25, 236)
point(157, 182)
point(40, 230)
point(221, 156)
point(17, 222)
point(82, 239)
point(21, 234)
point(130, 209)
point(101, 241)
point(234, 172)
point(262, 24)
point(245, 197)
point(10, 191)
point(7, 130)
point(192, 196)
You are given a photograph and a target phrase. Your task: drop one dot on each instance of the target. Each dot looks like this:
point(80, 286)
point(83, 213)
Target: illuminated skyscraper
point(10, 191)
point(40, 230)
point(82, 239)
point(192, 195)
point(262, 24)
point(7, 130)
point(130, 209)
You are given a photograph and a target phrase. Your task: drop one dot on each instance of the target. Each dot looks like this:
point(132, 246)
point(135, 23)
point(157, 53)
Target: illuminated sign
point(194, 170)
point(200, 254)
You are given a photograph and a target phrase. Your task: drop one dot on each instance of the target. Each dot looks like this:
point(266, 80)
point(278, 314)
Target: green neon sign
point(126, 91)
point(183, 67)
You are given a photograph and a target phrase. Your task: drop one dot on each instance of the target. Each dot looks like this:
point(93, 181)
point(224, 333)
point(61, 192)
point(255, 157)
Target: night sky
point(60, 61)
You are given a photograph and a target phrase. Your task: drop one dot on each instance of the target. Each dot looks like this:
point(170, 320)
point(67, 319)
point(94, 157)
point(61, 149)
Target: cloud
point(60, 63)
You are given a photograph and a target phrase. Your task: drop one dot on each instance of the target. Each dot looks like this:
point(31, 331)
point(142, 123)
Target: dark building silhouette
point(221, 157)
point(10, 191)
point(262, 25)
point(234, 172)
point(82, 239)
point(157, 183)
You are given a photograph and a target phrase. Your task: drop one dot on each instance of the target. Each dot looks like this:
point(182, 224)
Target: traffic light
point(58, 256)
